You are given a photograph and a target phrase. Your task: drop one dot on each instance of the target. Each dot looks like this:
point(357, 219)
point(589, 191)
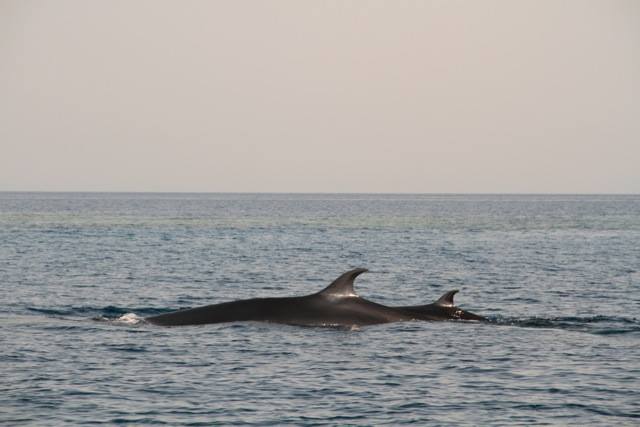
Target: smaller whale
point(336, 305)
point(442, 309)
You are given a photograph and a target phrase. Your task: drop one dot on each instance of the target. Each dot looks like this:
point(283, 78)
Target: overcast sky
point(320, 96)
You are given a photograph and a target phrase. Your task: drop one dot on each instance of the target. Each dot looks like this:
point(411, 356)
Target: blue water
point(559, 277)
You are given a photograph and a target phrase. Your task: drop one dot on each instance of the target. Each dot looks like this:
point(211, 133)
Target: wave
point(109, 312)
point(598, 325)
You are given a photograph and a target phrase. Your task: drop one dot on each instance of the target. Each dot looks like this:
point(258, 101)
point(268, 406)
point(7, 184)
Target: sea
point(558, 277)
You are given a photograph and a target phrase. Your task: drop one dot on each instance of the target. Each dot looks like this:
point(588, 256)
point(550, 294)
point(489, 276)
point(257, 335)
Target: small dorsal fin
point(446, 300)
point(343, 285)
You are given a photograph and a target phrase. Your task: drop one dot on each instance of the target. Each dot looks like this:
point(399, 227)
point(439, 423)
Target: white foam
point(130, 319)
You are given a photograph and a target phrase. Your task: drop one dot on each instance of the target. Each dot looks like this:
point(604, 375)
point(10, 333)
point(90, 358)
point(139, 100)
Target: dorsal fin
point(343, 285)
point(446, 300)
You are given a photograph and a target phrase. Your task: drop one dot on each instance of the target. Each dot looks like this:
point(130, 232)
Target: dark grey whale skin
point(336, 305)
point(442, 309)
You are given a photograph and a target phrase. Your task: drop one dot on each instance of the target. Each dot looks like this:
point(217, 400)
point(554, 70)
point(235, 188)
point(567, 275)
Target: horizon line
point(328, 192)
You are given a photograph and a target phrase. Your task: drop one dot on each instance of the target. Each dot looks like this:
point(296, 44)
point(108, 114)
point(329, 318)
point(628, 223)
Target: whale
point(442, 309)
point(336, 305)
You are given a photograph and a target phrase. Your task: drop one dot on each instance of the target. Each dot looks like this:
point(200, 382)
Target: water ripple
point(556, 275)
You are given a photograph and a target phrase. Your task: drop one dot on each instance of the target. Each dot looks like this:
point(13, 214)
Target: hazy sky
point(320, 96)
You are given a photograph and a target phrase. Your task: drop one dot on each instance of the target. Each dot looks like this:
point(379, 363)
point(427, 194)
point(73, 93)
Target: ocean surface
point(558, 277)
